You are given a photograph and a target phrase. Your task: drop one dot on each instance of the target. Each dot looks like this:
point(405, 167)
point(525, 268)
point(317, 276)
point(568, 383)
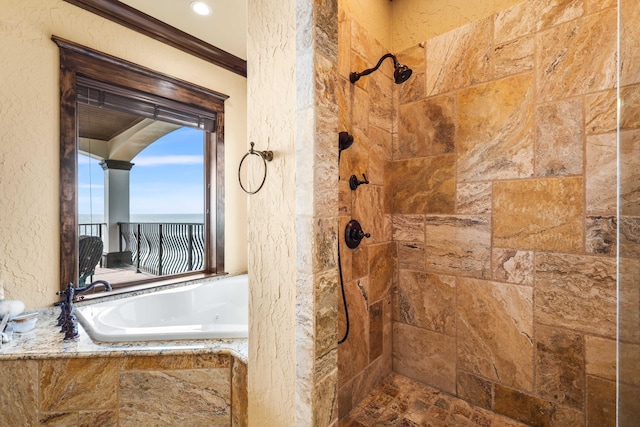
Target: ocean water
point(164, 218)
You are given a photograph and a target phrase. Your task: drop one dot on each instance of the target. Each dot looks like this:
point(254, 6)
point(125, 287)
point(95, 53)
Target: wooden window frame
point(79, 61)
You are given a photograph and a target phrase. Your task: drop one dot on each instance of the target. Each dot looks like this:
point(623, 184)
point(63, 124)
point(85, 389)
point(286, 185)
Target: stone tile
point(381, 105)
point(629, 356)
point(601, 357)
point(513, 266)
point(239, 397)
point(534, 15)
point(601, 112)
point(375, 330)
point(460, 57)
point(19, 399)
point(496, 142)
point(474, 198)
point(560, 366)
point(365, 45)
point(630, 237)
point(629, 46)
point(325, 392)
point(345, 403)
point(630, 107)
point(425, 356)
point(344, 94)
point(459, 245)
point(344, 199)
point(408, 228)
point(426, 127)
point(423, 185)
point(629, 405)
point(629, 300)
point(326, 241)
point(326, 28)
point(379, 154)
point(59, 419)
point(534, 411)
point(205, 392)
point(495, 331)
point(344, 44)
point(475, 389)
point(97, 418)
point(188, 361)
point(513, 57)
point(369, 210)
point(559, 134)
point(360, 261)
point(576, 292)
point(601, 402)
point(427, 301)
point(355, 159)
point(380, 271)
point(600, 235)
point(370, 378)
point(543, 214)
point(566, 65)
point(77, 384)
point(353, 354)
point(596, 5)
point(326, 311)
point(601, 174)
point(413, 89)
point(630, 173)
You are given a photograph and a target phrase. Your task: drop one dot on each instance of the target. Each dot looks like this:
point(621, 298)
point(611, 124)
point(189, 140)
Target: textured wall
point(505, 230)
point(414, 21)
point(375, 16)
point(29, 218)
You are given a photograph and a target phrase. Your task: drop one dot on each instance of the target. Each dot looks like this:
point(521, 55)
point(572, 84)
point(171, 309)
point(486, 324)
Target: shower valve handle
point(354, 182)
point(353, 234)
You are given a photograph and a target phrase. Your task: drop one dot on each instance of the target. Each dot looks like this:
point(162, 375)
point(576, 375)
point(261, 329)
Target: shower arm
point(354, 76)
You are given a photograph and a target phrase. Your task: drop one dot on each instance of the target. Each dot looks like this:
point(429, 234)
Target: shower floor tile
point(400, 401)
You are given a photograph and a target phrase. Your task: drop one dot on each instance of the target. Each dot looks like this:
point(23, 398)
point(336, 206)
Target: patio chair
point(89, 254)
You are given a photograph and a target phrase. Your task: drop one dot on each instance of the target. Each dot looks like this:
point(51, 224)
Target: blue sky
point(167, 177)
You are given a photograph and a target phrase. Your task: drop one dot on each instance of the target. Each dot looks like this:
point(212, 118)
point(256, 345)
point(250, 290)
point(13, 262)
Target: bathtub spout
point(107, 287)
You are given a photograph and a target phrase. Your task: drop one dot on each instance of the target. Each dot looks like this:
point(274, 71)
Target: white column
point(116, 205)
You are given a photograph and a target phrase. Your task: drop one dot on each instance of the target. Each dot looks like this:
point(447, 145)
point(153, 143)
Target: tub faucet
point(107, 287)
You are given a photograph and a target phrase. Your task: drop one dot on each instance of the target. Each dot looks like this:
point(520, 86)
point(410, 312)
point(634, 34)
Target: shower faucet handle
point(353, 234)
point(354, 182)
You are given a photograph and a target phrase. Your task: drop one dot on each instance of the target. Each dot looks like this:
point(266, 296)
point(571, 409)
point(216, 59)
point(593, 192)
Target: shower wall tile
point(76, 384)
point(474, 198)
point(326, 311)
point(19, 399)
point(601, 402)
point(426, 128)
point(360, 261)
point(577, 292)
point(630, 109)
point(427, 301)
point(98, 418)
point(459, 245)
point(559, 135)
point(496, 142)
point(495, 331)
point(408, 227)
point(239, 397)
point(629, 363)
point(535, 411)
point(601, 112)
point(600, 235)
point(413, 89)
point(344, 44)
point(601, 357)
point(566, 63)
point(423, 185)
point(601, 174)
point(380, 145)
point(353, 354)
point(344, 91)
point(324, 247)
point(560, 366)
point(596, 5)
point(59, 419)
point(200, 390)
point(629, 405)
point(460, 57)
point(375, 330)
point(475, 389)
point(380, 93)
point(630, 173)
point(629, 47)
point(513, 57)
point(630, 237)
point(544, 214)
point(369, 209)
point(513, 266)
point(629, 300)
point(365, 45)
point(437, 353)
point(380, 270)
point(411, 255)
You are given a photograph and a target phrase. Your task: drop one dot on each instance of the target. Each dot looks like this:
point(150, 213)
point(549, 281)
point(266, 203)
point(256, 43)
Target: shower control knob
point(353, 234)
point(354, 182)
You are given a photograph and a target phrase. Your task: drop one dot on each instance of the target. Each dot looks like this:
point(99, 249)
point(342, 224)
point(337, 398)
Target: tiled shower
point(492, 202)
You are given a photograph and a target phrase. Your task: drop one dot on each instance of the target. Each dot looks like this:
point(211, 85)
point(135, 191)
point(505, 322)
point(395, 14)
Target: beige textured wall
point(414, 21)
point(272, 214)
point(29, 219)
point(375, 16)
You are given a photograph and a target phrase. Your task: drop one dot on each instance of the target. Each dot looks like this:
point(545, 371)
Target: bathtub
point(214, 309)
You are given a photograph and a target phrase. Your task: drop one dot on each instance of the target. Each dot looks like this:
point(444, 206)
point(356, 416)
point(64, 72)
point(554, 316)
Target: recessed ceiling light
point(201, 8)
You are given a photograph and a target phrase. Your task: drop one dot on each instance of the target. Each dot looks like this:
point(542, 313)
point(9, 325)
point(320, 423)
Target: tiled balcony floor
point(399, 401)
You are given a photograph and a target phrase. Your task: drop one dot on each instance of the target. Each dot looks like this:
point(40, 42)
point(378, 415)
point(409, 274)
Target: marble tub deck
point(46, 342)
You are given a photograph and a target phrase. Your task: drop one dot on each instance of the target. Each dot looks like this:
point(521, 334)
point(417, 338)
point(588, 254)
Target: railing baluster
point(160, 252)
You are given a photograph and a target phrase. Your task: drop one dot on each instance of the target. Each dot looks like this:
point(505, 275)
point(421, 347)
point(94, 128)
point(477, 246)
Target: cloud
point(168, 160)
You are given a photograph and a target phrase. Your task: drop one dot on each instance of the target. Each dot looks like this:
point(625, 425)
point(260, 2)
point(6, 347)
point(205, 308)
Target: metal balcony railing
point(163, 248)
point(92, 229)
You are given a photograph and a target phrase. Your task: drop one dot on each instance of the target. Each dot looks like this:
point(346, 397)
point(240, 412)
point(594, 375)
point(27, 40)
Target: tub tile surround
point(529, 216)
point(85, 383)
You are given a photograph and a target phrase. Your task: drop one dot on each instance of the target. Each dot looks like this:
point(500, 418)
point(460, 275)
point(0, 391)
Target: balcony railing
point(92, 229)
point(163, 248)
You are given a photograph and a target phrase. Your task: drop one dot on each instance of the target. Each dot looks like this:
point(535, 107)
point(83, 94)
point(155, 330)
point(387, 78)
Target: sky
point(167, 177)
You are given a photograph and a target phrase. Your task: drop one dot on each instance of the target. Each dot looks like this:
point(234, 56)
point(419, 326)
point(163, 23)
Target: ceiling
point(225, 28)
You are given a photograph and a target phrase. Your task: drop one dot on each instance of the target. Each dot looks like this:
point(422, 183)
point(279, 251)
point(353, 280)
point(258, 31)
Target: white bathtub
point(214, 309)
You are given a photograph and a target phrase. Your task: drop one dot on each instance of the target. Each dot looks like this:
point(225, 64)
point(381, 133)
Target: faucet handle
point(354, 182)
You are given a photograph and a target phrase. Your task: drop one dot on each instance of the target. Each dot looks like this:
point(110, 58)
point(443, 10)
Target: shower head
point(345, 139)
point(401, 72)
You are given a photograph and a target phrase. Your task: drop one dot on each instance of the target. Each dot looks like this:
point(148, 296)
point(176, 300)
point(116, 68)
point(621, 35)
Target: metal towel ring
point(266, 156)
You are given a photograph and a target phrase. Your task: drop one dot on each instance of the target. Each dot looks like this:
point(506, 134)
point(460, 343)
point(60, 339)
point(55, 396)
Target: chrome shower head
point(401, 72)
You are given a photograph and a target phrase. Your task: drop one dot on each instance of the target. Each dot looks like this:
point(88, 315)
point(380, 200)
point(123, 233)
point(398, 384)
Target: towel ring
point(266, 156)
